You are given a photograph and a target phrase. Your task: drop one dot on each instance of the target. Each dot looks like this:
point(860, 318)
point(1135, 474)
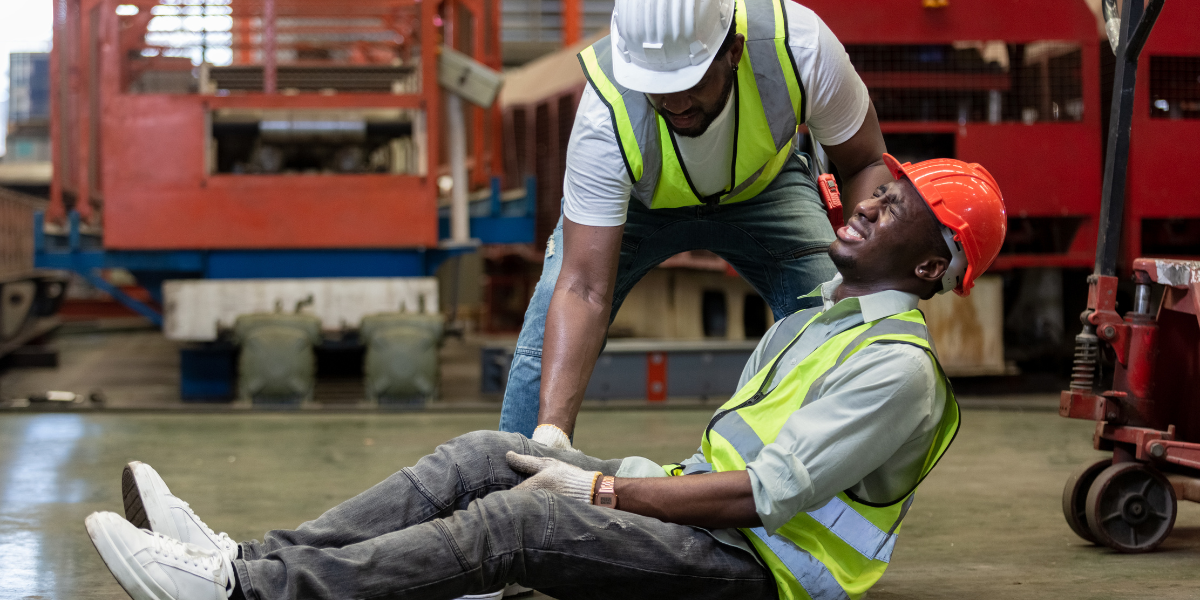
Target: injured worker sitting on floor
point(798, 491)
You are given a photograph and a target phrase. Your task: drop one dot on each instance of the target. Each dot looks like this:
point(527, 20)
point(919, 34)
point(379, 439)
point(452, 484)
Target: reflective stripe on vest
point(844, 522)
point(768, 104)
point(854, 529)
point(847, 541)
point(811, 574)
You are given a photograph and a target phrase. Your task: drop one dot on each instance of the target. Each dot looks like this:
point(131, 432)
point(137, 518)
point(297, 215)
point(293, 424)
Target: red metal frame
point(656, 376)
point(1045, 169)
point(572, 21)
point(135, 164)
point(1162, 151)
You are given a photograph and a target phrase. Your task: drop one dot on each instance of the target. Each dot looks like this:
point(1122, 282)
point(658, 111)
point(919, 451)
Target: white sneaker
point(149, 504)
point(152, 566)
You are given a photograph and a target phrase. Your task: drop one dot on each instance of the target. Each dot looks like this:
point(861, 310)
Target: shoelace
point(213, 562)
point(178, 551)
point(222, 539)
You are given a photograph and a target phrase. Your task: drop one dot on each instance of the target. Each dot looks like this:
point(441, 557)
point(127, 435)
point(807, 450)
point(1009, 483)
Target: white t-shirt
point(596, 187)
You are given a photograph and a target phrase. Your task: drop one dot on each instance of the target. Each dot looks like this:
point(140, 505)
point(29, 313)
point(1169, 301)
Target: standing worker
point(684, 140)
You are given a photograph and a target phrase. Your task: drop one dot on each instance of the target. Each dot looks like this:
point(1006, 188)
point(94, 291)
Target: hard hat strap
point(958, 262)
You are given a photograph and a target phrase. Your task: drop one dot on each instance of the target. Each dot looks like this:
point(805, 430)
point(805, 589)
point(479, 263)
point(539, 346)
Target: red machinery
point(261, 124)
point(1163, 216)
point(1147, 415)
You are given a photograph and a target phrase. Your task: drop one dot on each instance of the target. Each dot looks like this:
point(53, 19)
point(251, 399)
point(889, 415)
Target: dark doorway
point(714, 313)
point(754, 316)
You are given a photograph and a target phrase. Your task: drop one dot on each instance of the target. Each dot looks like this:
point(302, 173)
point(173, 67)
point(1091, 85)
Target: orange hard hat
point(966, 200)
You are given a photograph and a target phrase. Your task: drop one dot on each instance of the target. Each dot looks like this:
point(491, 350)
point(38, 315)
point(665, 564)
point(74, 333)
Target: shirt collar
point(879, 305)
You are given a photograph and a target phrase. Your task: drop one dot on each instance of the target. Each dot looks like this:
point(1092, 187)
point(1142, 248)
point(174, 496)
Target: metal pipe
point(460, 224)
point(1141, 299)
point(572, 21)
point(268, 47)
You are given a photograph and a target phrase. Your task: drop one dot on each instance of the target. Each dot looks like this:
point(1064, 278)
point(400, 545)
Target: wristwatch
point(605, 495)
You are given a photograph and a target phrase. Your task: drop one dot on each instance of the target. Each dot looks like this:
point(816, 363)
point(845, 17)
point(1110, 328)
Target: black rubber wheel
point(1075, 496)
point(1131, 508)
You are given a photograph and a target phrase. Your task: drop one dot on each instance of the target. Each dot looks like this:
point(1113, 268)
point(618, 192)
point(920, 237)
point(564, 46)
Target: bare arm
point(577, 320)
point(860, 162)
point(713, 500)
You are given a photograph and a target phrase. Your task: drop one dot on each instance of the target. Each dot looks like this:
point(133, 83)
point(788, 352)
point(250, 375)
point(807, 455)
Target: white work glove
point(553, 475)
point(552, 436)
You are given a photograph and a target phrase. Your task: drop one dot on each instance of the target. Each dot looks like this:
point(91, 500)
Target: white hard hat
point(666, 46)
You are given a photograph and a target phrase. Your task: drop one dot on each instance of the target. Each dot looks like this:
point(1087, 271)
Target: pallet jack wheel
point(1131, 507)
point(1075, 496)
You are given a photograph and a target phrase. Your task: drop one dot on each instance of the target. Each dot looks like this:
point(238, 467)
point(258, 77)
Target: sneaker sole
point(132, 577)
point(516, 589)
point(139, 492)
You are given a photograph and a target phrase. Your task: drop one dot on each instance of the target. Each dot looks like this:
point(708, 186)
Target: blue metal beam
point(129, 301)
point(495, 221)
point(279, 264)
point(498, 230)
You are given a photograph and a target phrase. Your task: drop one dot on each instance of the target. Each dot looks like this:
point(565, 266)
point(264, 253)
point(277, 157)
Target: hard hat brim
point(894, 166)
point(648, 81)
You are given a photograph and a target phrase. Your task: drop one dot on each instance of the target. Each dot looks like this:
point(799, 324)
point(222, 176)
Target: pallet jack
point(1147, 406)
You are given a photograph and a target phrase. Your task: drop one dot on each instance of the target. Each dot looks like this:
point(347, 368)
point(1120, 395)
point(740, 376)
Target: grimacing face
point(888, 238)
point(690, 113)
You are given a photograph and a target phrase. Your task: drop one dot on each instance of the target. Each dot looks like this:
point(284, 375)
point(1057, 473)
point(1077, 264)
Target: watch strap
point(606, 494)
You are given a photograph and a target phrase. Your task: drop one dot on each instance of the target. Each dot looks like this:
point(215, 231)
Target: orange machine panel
point(239, 124)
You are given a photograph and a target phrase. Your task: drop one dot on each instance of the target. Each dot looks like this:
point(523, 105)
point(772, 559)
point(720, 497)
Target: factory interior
point(281, 250)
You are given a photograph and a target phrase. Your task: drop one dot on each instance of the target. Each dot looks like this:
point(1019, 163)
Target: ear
point(932, 269)
point(736, 48)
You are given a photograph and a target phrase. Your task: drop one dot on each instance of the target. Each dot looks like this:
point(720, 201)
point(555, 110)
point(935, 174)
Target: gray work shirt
point(868, 429)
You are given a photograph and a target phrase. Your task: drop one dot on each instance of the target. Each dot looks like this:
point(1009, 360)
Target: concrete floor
point(987, 523)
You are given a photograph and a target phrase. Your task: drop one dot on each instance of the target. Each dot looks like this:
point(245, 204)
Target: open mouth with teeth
point(849, 234)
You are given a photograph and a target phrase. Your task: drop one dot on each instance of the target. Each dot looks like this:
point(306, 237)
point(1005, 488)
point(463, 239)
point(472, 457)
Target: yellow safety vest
point(841, 549)
point(768, 107)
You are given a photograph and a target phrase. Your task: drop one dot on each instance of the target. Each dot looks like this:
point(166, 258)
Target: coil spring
point(1087, 353)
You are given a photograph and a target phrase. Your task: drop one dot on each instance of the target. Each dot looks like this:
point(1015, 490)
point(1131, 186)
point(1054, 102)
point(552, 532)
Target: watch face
point(607, 500)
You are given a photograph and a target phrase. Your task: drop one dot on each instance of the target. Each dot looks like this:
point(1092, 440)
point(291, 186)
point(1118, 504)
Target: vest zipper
point(761, 393)
point(715, 199)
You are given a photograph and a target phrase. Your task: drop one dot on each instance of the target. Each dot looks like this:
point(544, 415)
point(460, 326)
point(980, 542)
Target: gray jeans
point(451, 526)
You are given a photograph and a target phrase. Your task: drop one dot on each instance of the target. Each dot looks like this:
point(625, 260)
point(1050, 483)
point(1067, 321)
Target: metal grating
point(541, 20)
point(16, 232)
point(531, 21)
point(965, 82)
point(367, 78)
point(198, 30)
point(1175, 87)
point(312, 43)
